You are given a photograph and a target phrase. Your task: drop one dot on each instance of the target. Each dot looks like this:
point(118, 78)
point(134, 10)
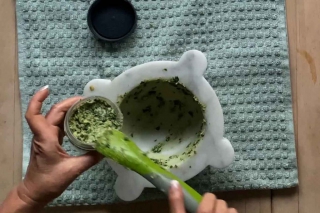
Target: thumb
point(83, 162)
point(176, 198)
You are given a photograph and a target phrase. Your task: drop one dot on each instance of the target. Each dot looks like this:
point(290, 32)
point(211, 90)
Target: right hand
point(209, 203)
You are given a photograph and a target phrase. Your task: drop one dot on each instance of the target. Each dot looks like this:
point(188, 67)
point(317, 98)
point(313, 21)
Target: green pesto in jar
point(92, 118)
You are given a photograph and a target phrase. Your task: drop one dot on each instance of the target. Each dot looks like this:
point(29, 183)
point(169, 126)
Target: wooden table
point(303, 18)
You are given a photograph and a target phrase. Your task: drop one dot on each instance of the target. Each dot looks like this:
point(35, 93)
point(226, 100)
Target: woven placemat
point(245, 42)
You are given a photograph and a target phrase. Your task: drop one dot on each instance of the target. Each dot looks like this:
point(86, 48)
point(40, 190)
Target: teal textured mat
point(245, 42)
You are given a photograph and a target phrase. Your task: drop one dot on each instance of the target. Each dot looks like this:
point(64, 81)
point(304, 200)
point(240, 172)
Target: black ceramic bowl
point(112, 20)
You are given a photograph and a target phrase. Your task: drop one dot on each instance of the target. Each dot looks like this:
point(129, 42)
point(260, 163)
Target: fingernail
point(44, 88)
point(174, 184)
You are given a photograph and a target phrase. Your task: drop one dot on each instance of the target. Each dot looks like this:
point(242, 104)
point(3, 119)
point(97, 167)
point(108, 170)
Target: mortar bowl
point(173, 115)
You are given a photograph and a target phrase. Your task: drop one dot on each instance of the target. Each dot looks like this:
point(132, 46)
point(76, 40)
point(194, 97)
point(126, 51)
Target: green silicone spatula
point(117, 146)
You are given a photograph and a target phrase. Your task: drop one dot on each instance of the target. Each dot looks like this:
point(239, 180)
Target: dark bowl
point(112, 20)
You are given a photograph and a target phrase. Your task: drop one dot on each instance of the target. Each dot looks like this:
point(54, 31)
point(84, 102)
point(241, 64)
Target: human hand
point(51, 170)
point(209, 203)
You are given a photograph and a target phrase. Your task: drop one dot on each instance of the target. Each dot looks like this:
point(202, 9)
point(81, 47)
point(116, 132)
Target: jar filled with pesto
point(86, 118)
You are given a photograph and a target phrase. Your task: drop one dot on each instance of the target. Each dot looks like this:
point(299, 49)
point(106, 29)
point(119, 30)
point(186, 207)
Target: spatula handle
point(163, 183)
point(117, 146)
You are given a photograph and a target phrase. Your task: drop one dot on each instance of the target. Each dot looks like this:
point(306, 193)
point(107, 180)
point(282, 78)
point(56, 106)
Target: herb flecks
point(170, 111)
point(175, 80)
point(91, 118)
point(157, 148)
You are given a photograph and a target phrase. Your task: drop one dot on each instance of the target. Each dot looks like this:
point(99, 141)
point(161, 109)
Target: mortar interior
point(164, 119)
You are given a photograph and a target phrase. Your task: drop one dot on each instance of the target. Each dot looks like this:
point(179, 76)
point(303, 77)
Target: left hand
point(51, 170)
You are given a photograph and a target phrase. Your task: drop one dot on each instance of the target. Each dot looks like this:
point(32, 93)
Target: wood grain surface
point(303, 20)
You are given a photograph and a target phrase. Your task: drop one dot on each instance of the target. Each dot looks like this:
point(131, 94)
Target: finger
point(207, 204)
point(33, 115)
point(82, 163)
point(232, 210)
point(221, 207)
point(57, 112)
point(176, 198)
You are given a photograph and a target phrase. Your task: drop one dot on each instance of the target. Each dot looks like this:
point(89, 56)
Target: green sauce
point(168, 114)
point(91, 118)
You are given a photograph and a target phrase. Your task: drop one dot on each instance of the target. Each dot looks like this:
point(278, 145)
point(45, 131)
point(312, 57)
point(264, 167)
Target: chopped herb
point(91, 118)
point(178, 103)
point(146, 109)
point(161, 101)
point(190, 113)
point(165, 69)
point(155, 160)
point(152, 92)
point(175, 80)
point(91, 88)
point(157, 148)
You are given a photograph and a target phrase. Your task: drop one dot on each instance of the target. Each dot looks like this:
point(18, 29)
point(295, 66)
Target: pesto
point(157, 148)
point(91, 118)
point(166, 113)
